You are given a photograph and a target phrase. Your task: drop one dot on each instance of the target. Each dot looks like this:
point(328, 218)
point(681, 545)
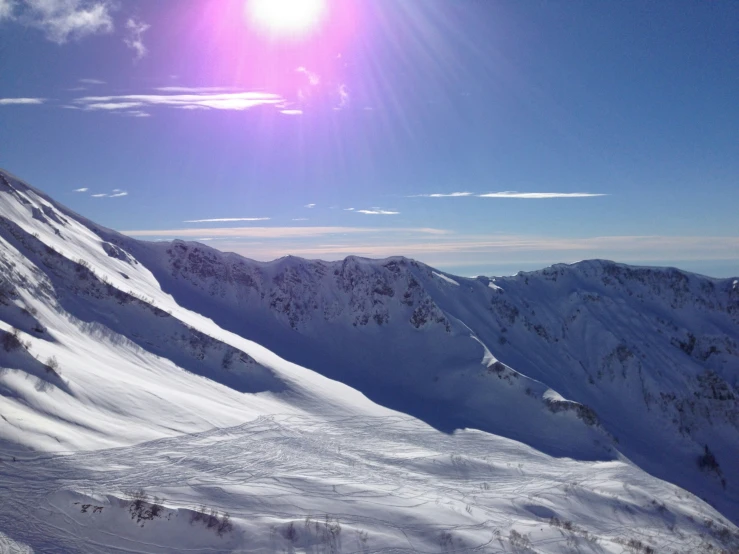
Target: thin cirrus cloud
point(21, 101)
point(309, 206)
point(194, 89)
point(83, 189)
point(377, 212)
point(192, 101)
point(226, 219)
point(115, 106)
point(510, 194)
point(442, 195)
point(279, 232)
point(538, 195)
point(117, 193)
point(183, 98)
point(86, 83)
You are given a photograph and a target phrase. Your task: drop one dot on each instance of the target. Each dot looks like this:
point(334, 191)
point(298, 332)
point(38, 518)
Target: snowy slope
point(182, 371)
point(580, 355)
point(654, 351)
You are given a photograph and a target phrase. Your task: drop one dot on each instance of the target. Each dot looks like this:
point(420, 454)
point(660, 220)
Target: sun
point(286, 18)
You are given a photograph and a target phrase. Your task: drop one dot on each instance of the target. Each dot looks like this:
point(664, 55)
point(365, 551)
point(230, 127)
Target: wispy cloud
point(91, 81)
point(114, 106)
point(21, 101)
point(194, 89)
point(348, 209)
point(117, 193)
point(134, 38)
point(309, 206)
point(279, 232)
point(536, 195)
point(312, 91)
point(62, 20)
point(377, 212)
point(227, 219)
point(300, 219)
point(442, 195)
point(83, 189)
point(218, 101)
point(313, 78)
point(509, 194)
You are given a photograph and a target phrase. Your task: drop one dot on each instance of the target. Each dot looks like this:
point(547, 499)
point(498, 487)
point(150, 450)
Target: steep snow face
point(94, 354)
point(654, 351)
point(170, 368)
point(377, 327)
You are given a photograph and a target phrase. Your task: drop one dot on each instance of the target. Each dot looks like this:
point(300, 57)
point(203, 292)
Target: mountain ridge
point(594, 362)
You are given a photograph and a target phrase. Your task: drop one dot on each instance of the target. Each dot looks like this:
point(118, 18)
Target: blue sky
point(334, 143)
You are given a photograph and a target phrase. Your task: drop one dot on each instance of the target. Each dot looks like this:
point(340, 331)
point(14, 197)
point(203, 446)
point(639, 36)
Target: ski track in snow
point(387, 476)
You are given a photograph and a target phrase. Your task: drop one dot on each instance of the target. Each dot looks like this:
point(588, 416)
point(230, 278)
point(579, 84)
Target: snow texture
point(149, 389)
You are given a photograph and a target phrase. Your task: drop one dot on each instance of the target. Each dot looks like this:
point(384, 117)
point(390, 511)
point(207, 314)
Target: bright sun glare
point(286, 17)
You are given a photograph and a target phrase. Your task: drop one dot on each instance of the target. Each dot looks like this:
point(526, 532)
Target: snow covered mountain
point(646, 358)
point(354, 406)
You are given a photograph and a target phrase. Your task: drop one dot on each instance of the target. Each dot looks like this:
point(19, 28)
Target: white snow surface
point(493, 286)
point(163, 368)
point(445, 278)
